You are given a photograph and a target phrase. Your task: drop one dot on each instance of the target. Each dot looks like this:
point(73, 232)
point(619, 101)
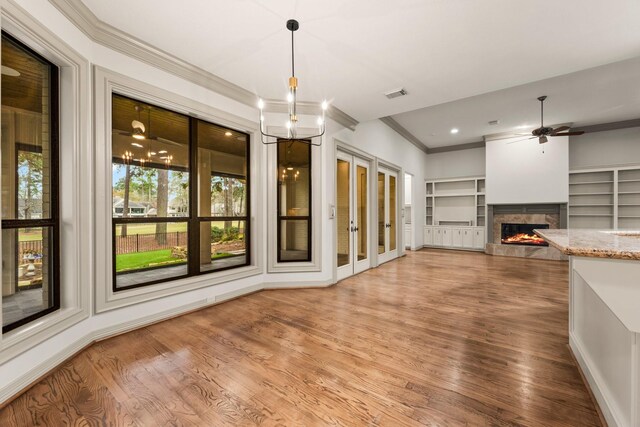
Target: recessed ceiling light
point(455, 130)
point(162, 151)
point(135, 144)
point(153, 153)
point(227, 133)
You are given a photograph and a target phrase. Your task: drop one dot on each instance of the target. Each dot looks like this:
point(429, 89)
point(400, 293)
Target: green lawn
point(162, 257)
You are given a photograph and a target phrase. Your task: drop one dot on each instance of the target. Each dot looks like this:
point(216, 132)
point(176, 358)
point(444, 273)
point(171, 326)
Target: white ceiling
point(350, 52)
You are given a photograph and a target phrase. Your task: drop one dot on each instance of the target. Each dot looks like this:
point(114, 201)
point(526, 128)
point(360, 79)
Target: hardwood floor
point(435, 338)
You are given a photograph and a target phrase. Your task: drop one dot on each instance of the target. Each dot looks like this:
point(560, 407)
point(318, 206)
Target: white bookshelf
point(455, 213)
point(605, 198)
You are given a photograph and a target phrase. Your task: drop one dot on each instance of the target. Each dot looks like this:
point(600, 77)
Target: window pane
point(294, 240)
point(149, 252)
point(150, 147)
point(222, 244)
point(26, 272)
point(222, 171)
point(294, 167)
point(26, 134)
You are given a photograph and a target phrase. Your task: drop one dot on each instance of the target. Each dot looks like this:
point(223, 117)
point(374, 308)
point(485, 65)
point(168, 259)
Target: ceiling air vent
point(395, 93)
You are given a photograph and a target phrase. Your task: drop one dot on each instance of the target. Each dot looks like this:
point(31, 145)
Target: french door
point(352, 215)
point(387, 182)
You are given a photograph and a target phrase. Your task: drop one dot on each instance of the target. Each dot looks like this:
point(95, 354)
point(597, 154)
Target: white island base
point(604, 333)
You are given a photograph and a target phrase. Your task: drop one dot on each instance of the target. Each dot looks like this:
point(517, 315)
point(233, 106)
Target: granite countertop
point(594, 243)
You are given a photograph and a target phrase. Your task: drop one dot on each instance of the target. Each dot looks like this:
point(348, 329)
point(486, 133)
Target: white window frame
point(315, 265)
point(75, 169)
point(107, 82)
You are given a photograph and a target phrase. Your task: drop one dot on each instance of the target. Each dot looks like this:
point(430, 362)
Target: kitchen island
point(604, 315)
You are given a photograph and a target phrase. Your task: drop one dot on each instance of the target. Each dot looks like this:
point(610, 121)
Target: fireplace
point(504, 221)
point(521, 234)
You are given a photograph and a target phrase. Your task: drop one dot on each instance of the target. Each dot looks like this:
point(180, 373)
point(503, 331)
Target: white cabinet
point(437, 236)
point(427, 236)
point(478, 238)
point(467, 238)
point(407, 235)
point(447, 237)
point(456, 237)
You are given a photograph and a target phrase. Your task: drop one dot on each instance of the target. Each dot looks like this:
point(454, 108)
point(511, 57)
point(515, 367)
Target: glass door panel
point(361, 212)
point(343, 214)
point(392, 213)
point(382, 228)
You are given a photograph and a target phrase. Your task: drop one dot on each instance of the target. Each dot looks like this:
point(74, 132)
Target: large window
point(30, 216)
point(294, 201)
point(180, 194)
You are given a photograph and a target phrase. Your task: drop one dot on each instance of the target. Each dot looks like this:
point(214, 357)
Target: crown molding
point(458, 147)
point(109, 36)
point(403, 132)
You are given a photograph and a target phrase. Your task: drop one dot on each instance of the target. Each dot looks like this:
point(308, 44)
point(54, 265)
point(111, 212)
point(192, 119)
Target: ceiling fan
point(544, 132)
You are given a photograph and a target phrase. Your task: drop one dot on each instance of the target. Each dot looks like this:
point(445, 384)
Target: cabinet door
point(447, 237)
point(437, 236)
point(456, 237)
point(407, 236)
point(478, 238)
point(468, 238)
point(428, 236)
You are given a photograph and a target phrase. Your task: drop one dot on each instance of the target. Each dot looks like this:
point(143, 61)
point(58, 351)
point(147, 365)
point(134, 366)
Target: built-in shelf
point(604, 215)
point(460, 200)
point(590, 182)
point(591, 205)
point(608, 199)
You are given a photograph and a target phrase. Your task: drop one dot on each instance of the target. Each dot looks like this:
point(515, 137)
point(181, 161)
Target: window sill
point(22, 339)
point(111, 300)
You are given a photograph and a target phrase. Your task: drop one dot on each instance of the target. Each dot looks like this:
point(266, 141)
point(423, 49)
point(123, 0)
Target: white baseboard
point(238, 293)
point(596, 383)
point(297, 285)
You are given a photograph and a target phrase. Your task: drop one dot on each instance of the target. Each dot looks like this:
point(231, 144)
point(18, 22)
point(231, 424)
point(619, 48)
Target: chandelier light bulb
point(289, 97)
point(288, 125)
point(260, 104)
point(320, 121)
point(325, 105)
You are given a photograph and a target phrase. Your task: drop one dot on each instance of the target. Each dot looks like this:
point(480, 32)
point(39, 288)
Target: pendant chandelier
point(292, 122)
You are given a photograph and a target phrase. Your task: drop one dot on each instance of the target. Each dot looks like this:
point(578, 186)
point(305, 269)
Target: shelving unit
point(628, 199)
point(455, 213)
point(605, 199)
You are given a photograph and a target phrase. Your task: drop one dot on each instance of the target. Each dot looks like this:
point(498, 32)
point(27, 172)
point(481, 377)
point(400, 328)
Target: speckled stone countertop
point(594, 243)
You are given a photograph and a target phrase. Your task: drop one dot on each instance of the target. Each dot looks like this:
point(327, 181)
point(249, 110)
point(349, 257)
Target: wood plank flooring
point(435, 338)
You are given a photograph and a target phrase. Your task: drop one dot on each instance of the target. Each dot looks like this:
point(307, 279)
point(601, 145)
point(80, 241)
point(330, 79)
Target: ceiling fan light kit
point(292, 122)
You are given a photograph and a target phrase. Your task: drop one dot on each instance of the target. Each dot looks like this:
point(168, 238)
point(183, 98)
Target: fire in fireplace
point(522, 234)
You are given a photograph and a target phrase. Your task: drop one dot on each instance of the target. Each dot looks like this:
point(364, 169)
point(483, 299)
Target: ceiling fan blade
point(580, 132)
point(560, 129)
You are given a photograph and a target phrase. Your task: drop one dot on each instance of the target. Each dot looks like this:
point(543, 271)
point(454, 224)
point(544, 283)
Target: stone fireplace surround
point(554, 214)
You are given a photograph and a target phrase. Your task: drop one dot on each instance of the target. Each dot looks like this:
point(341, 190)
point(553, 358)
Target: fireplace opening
point(522, 234)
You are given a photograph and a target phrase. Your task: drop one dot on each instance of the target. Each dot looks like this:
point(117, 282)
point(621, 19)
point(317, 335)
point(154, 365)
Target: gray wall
point(603, 149)
point(454, 164)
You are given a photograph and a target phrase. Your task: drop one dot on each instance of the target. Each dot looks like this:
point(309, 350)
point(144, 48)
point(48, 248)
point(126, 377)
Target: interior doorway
point(352, 215)
point(387, 191)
